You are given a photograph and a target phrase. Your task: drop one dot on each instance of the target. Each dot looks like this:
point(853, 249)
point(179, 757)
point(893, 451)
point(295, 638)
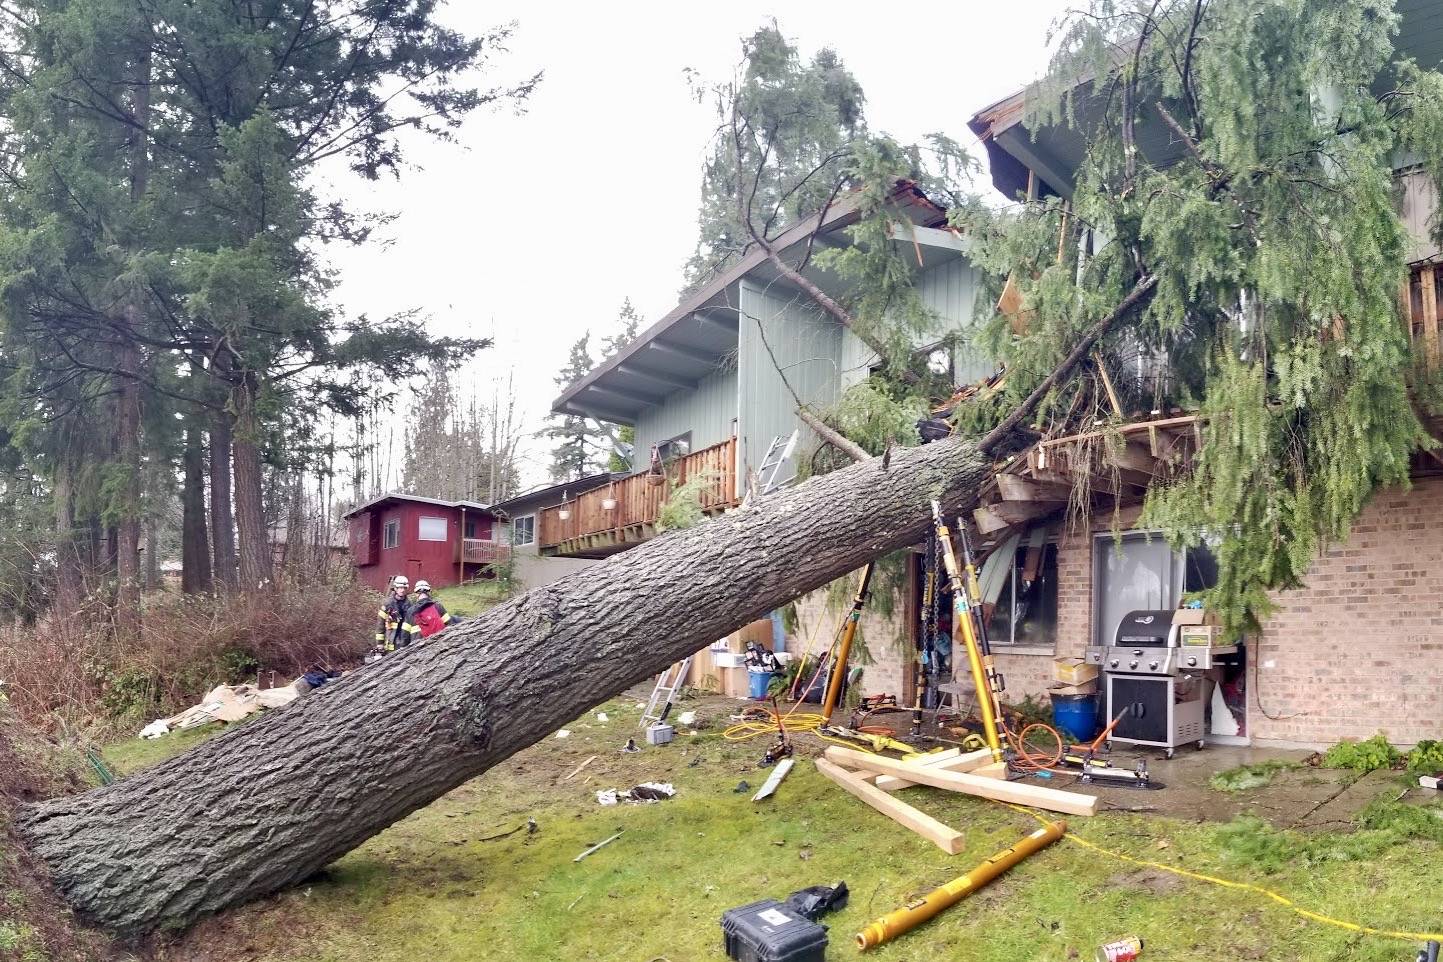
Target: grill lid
point(1144, 629)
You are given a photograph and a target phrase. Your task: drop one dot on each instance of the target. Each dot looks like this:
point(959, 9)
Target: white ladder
point(779, 452)
point(666, 686)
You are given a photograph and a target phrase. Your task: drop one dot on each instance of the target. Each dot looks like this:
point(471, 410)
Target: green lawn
point(430, 888)
point(471, 598)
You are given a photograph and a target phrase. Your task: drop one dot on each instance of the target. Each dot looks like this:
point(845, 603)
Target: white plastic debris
point(155, 729)
point(601, 716)
point(563, 733)
point(687, 718)
point(607, 797)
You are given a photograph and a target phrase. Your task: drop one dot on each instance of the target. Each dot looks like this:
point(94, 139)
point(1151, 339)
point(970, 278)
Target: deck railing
point(627, 507)
point(478, 552)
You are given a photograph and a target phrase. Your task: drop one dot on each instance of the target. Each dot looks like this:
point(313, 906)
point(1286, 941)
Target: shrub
point(73, 673)
point(1366, 756)
point(1426, 757)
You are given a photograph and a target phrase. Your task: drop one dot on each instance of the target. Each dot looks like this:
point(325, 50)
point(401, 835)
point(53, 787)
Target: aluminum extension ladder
point(661, 696)
point(779, 452)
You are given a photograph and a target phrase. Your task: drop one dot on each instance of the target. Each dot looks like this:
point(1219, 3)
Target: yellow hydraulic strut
point(844, 647)
point(914, 913)
point(979, 654)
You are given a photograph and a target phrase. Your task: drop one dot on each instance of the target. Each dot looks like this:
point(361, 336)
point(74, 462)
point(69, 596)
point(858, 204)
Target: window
point(1143, 573)
point(391, 534)
point(432, 529)
point(523, 530)
point(1026, 609)
point(673, 448)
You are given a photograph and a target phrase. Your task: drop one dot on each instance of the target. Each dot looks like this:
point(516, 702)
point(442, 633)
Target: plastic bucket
point(1075, 716)
point(760, 681)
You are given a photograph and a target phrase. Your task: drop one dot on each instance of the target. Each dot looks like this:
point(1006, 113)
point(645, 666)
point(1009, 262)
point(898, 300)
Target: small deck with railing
point(623, 513)
point(476, 551)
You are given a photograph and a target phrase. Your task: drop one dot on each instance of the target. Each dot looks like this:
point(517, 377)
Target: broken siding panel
point(706, 412)
point(808, 347)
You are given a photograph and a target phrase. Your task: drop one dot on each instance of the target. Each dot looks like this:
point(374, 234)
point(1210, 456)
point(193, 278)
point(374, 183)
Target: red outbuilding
point(444, 542)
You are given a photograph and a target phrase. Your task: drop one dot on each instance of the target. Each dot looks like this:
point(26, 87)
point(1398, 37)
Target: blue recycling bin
point(760, 682)
point(1075, 716)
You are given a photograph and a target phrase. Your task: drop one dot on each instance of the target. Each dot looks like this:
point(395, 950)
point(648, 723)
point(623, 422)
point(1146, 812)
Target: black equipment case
point(768, 931)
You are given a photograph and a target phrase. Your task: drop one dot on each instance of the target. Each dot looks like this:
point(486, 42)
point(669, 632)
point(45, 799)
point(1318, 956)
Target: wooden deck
point(623, 513)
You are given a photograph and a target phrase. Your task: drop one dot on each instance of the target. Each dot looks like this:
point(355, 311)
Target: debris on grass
point(645, 792)
point(1246, 777)
point(579, 768)
point(563, 733)
point(604, 842)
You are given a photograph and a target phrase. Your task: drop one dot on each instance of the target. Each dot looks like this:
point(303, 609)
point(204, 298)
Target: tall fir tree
point(799, 117)
point(579, 440)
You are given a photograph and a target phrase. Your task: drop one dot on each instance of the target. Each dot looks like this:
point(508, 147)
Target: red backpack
point(428, 619)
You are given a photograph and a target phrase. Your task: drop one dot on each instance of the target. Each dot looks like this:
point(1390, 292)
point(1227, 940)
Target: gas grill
point(1158, 682)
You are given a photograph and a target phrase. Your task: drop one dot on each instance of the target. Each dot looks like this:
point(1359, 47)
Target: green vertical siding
point(808, 350)
point(706, 412)
point(950, 289)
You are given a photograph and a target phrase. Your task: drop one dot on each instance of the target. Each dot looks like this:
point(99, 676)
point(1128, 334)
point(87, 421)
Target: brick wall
point(1357, 650)
point(1360, 649)
point(890, 657)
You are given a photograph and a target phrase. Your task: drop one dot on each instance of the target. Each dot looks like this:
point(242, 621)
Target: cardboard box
point(1199, 636)
point(1073, 671)
point(1193, 616)
point(1084, 688)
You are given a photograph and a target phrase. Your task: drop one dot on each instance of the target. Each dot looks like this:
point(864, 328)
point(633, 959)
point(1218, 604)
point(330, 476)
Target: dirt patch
point(36, 923)
point(1150, 880)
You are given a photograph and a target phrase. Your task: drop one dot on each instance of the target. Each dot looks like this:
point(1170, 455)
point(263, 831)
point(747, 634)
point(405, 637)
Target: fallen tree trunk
point(270, 802)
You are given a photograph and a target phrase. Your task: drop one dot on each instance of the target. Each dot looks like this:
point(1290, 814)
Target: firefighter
point(427, 615)
point(394, 611)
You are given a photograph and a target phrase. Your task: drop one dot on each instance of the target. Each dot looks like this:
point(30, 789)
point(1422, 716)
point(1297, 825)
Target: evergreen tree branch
point(1135, 298)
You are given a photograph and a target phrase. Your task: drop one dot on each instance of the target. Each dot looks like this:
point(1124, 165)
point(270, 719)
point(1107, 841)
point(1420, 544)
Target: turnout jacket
point(427, 617)
point(393, 615)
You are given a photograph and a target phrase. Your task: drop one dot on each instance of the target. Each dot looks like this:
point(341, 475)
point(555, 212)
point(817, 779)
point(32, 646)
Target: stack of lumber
point(873, 779)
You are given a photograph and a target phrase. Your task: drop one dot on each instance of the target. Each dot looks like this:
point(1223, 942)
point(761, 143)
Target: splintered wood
point(872, 777)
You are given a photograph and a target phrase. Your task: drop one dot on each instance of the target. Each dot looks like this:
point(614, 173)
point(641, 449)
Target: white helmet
point(423, 585)
point(400, 581)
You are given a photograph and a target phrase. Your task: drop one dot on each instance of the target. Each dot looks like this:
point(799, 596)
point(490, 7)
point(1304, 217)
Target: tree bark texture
point(195, 560)
point(222, 517)
point(268, 803)
point(254, 547)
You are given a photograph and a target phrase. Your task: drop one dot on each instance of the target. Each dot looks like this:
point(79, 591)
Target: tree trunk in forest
point(195, 560)
point(152, 553)
point(128, 362)
point(254, 550)
point(222, 517)
point(268, 803)
point(127, 529)
point(69, 571)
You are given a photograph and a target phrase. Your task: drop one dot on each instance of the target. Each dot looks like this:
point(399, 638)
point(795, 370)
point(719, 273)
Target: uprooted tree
point(1264, 257)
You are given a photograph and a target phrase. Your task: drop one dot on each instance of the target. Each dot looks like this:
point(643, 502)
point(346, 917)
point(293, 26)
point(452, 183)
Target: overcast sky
point(534, 228)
